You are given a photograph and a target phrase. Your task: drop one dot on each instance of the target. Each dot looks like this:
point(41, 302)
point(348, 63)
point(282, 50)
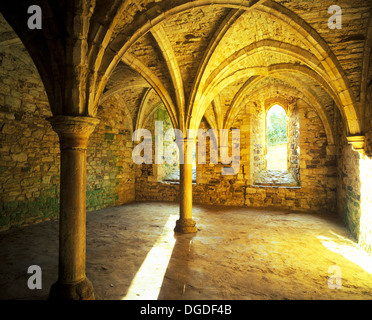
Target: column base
point(185, 226)
point(82, 290)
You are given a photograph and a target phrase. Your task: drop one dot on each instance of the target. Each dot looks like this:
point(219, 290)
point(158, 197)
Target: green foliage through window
point(276, 126)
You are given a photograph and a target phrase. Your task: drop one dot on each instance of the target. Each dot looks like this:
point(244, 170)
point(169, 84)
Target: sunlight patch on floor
point(147, 283)
point(350, 251)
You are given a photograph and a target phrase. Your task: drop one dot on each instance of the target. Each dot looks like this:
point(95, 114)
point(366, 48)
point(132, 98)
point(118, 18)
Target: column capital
point(357, 142)
point(73, 131)
point(188, 140)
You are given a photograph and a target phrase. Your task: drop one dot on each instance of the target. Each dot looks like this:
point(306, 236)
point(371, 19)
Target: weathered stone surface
point(315, 190)
point(30, 155)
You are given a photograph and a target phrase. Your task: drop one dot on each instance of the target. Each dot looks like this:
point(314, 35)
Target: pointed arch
point(144, 110)
point(348, 106)
point(301, 92)
point(156, 84)
point(46, 52)
point(229, 20)
point(113, 51)
point(171, 60)
point(263, 71)
point(311, 67)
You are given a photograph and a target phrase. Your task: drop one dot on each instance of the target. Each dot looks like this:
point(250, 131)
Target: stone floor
point(238, 253)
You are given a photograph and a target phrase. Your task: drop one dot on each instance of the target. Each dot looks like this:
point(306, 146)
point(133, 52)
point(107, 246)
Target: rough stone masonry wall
point(354, 196)
point(29, 149)
point(212, 186)
point(317, 191)
point(257, 114)
point(293, 132)
point(110, 169)
point(318, 171)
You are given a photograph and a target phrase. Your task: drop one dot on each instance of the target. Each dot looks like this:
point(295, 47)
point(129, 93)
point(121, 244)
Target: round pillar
point(186, 224)
point(73, 134)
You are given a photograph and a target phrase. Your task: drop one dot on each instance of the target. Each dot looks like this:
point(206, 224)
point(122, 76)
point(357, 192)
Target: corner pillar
point(72, 283)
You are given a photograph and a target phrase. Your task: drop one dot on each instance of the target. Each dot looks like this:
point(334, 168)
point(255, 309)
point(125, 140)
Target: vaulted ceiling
point(206, 58)
point(202, 57)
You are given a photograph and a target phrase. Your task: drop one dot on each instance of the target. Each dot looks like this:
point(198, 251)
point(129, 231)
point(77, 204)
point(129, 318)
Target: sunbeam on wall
point(365, 224)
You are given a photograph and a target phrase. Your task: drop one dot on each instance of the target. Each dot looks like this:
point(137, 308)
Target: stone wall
point(318, 170)
point(110, 169)
point(293, 132)
point(258, 162)
point(354, 195)
point(29, 149)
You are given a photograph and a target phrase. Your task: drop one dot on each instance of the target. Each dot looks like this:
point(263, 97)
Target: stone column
point(73, 135)
point(186, 224)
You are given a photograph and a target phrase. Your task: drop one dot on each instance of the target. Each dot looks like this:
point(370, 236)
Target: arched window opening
point(173, 172)
point(169, 170)
point(194, 164)
point(277, 139)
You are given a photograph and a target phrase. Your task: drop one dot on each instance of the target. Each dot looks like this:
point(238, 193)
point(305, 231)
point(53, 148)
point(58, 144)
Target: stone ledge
point(275, 187)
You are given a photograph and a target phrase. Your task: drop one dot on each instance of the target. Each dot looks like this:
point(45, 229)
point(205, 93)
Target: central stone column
point(186, 224)
point(73, 135)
